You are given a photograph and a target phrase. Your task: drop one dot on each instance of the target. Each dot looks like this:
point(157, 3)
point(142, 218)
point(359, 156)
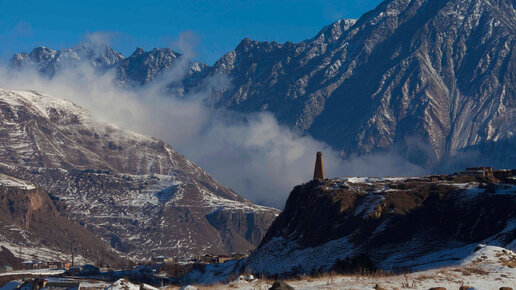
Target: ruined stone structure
point(319, 167)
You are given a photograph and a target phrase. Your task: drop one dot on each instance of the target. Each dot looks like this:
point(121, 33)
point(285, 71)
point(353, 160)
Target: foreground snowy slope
point(134, 191)
point(488, 268)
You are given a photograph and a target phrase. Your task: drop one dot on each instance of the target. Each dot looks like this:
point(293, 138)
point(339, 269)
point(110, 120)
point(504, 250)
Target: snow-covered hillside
point(488, 268)
point(134, 191)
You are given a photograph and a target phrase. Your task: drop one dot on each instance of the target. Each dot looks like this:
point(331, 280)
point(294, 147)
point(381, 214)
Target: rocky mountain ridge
point(140, 68)
point(132, 190)
point(391, 224)
point(429, 78)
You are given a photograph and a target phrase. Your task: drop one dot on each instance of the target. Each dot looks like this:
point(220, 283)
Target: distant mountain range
point(135, 192)
point(138, 69)
point(427, 78)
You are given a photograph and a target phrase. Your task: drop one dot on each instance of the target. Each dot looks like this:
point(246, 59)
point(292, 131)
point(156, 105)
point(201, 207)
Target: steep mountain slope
point(134, 191)
point(408, 73)
point(394, 224)
point(429, 78)
point(29, 219)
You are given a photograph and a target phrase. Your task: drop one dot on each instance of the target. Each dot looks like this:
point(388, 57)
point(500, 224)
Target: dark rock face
point(29, 218)
point(240, 227)
point(134, 191)
point(144, 66)
point(8, 259)
point(394, 224)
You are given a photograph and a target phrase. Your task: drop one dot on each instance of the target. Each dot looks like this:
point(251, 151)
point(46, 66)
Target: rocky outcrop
point(29, 218)
point(134, 191)
point(393, 224)
point(240, 226)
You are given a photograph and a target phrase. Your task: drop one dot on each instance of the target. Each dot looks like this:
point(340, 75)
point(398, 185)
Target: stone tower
point(319, 167)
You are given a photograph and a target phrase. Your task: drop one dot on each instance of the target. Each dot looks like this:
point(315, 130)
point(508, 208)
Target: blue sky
point(218, 26)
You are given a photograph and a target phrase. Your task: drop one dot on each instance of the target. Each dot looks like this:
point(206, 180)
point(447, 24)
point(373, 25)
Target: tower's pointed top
point(319, 167)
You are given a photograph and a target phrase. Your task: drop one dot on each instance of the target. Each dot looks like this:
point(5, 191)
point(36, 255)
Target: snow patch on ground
point(45, 102)
point(487, 268)
point(10, 181)
point(370, 180)
point(35, 272)
point(366, 207)
point(40, 253)
point(123, 284)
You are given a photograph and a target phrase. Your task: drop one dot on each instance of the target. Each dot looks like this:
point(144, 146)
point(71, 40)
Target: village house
point(83, 270)
point(55, 265)
point(159, 259)
point(222, 259)
point(62, 284)
point(50, 283)
point(207, 258)
point(210, 259)
point(239, 255)
point(485, 172)
point(32, 264)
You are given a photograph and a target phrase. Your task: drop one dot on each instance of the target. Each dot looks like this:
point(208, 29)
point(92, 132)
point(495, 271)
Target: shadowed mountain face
point(429, 78)
point(132, 190)
point(438, 73)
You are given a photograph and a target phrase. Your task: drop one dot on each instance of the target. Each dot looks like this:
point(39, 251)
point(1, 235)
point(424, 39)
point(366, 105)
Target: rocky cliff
point(392, 224)
point(132, 190)
point(34, 226)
